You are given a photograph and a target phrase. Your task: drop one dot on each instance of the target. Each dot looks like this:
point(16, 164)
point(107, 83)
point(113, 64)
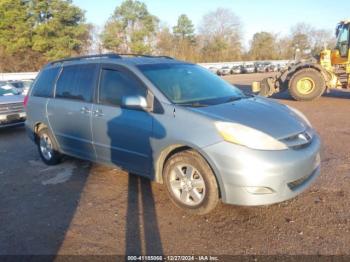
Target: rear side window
point(115, 85)
point(77, 82)
point(44, 85)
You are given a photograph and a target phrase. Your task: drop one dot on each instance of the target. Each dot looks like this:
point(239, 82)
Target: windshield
point(17, 84)
point(343, 35)
point(185, 83)
point(5, 91)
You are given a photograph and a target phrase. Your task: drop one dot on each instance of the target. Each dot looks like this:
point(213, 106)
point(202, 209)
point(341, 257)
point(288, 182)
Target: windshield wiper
point(237, 98)
point(248, 95)
point(194, 104)
point(233, 98)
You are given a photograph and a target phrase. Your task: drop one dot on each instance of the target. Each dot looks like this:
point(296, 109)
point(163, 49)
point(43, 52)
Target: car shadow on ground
point(4, 131)
point(37, 202)
point(338, 94)
point(140, 127)
point(141, 219)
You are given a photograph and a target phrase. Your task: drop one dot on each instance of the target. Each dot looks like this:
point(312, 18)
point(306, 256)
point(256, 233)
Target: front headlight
point(247, 136)
point(301, 115)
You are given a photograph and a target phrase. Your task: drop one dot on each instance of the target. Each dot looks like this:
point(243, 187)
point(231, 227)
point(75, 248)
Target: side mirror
point(135, 102)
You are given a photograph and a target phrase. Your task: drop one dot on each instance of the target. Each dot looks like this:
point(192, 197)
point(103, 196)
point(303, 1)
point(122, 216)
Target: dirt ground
point(79, 208)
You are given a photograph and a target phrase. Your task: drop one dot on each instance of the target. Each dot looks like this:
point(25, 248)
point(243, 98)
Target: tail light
point(25, 101)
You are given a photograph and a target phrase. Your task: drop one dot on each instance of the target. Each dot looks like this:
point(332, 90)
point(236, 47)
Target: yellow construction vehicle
point(308, 80)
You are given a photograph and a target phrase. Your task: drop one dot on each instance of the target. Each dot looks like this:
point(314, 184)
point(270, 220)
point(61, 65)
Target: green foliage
point(263, 46)
point(184, 28)
point(15, 33)
point(35, 31)
point(40, 30)
point(59, 29)
point(131, 29)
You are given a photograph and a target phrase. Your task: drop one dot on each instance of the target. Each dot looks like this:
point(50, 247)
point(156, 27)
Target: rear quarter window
point(45, 83)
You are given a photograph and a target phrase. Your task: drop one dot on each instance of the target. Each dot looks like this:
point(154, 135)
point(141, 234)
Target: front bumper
point(285, 174)
point(7, 120)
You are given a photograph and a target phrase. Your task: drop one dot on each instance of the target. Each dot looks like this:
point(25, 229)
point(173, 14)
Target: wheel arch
point(38, 126)
point(177, 148)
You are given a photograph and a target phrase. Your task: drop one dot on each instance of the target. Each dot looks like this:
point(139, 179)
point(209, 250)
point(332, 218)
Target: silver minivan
point(174, 123)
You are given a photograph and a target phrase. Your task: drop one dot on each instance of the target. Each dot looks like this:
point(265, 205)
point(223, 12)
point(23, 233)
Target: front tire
point(48, 149)
point(191, 183)
point(307, 84)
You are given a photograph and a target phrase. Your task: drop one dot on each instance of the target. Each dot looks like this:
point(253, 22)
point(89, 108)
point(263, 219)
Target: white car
point(250, 68)
point(236, 70)
point(213, 69)
point(226, 70)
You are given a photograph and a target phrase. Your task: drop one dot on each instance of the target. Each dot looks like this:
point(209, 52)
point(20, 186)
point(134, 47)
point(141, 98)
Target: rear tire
point(307, 84)
point(191, 183)
point(48, 149)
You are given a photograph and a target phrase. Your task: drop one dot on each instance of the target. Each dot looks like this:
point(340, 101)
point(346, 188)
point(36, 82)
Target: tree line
point(33, 32)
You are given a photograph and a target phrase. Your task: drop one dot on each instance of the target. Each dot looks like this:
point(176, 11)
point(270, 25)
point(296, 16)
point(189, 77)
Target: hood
point(259, 113)
point(11, 99)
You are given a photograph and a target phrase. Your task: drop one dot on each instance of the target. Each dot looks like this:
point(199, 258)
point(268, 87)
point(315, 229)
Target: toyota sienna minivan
point(174, 123)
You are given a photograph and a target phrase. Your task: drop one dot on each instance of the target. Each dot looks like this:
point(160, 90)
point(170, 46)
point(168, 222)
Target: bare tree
point(301, 38)
point(220, 34)
point(309, 39)
point(165, 42)
point(284, 48)
point(320, 39)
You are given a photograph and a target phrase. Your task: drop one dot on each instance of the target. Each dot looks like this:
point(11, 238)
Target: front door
point(121, 136)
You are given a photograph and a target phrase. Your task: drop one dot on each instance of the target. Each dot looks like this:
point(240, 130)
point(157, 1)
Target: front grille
point(299, 182)
point(298, 141)
point(12, 108)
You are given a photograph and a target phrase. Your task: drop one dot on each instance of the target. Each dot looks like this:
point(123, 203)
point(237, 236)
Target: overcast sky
point(256, 15)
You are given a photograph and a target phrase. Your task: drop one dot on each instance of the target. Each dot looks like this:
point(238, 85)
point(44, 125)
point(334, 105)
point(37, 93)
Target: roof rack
point(148, 56)
point(109, 55)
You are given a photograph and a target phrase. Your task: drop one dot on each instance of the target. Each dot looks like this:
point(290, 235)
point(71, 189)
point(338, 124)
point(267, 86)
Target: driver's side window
point(115, 85)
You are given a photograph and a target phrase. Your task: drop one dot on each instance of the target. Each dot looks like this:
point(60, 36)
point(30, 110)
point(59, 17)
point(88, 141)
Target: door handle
point(85, 110)
point(98, 113)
